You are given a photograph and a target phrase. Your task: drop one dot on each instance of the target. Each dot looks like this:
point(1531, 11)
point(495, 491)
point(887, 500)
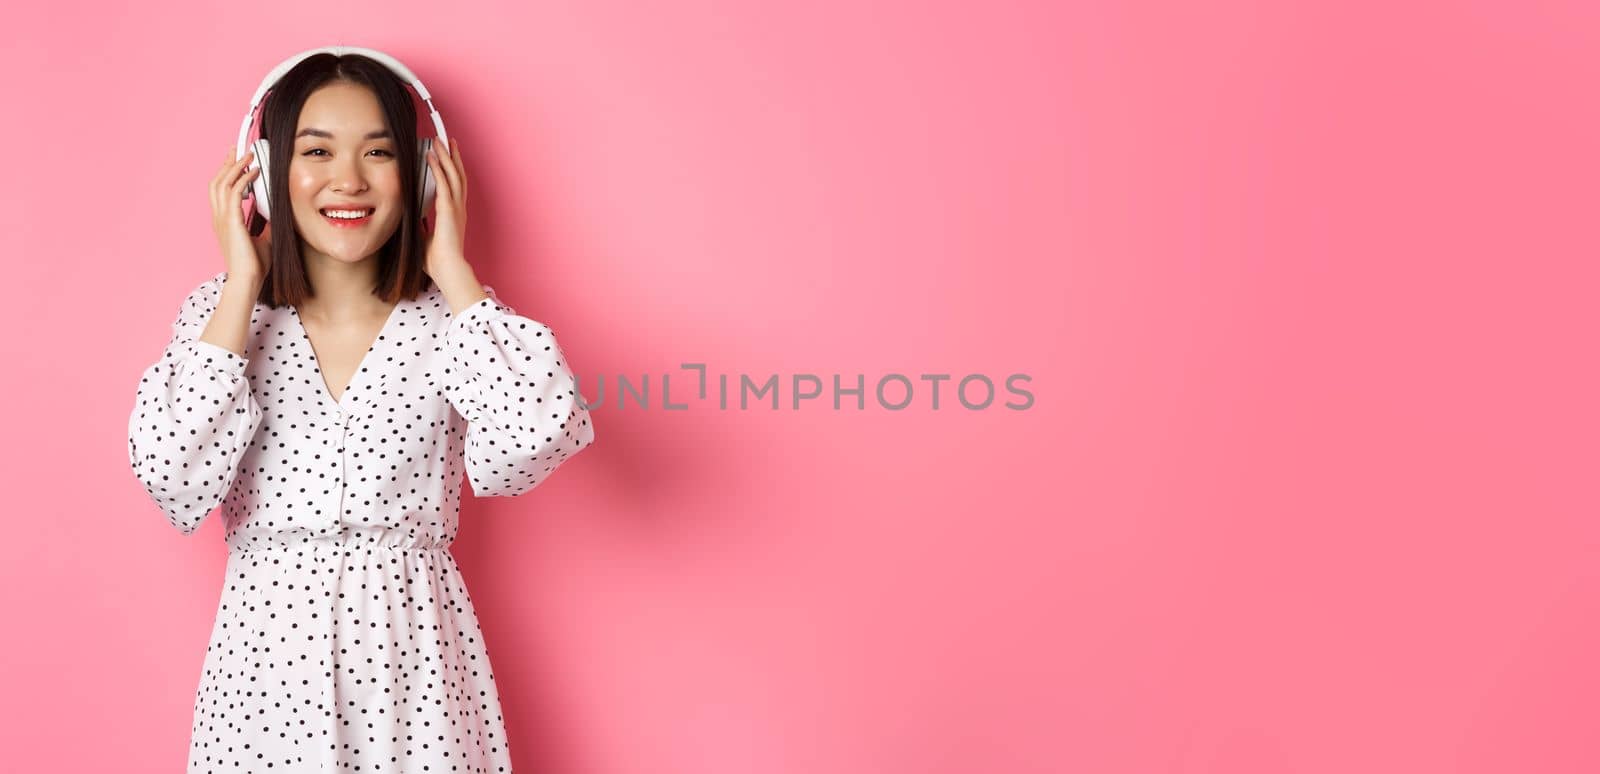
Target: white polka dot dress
point(345, 639)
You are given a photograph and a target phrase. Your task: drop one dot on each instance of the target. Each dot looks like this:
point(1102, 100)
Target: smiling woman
point(331, 413)
point(348, 128)
point(343, 180)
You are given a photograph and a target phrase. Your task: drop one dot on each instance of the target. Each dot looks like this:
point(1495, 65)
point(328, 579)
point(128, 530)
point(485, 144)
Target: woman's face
point(344, 161)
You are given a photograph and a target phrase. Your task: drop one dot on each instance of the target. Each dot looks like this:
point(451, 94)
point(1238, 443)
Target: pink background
point(1306, 293)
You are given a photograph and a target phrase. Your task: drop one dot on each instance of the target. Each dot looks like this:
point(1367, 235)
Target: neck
point(344, 290)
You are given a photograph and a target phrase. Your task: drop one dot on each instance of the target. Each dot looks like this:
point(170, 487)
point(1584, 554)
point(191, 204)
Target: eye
point(313, 151)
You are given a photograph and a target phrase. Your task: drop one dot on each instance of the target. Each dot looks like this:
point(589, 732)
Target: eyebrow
point(311, 132)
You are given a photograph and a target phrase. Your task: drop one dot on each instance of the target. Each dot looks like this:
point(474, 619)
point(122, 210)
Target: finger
point(230, 198)
point(452, 169)
point(442, 194)
point(461, 168)
point(229, 175)
point(238, 176)
point(449, 164)
point(245, 171)
point(239, 185)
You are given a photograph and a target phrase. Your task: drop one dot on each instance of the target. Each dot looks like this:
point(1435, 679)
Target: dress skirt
point(356, 653)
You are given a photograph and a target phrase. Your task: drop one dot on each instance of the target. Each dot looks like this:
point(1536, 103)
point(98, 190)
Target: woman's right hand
point(245, 256)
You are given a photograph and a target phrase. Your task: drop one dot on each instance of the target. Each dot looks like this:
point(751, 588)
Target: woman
point(328, 390)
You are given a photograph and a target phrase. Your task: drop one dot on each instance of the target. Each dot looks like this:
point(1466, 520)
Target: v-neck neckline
point(361, 367)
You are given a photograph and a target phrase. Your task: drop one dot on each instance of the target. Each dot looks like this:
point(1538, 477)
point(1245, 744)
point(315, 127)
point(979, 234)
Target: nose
point(348, 178)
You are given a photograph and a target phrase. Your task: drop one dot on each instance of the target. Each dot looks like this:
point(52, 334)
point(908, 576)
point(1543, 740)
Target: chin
point(347, 250)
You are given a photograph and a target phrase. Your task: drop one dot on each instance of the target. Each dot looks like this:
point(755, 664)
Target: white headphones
point(258, 187)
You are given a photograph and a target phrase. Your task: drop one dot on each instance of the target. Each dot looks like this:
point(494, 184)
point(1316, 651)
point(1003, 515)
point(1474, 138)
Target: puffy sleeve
point(508, 378)
point(193, 417)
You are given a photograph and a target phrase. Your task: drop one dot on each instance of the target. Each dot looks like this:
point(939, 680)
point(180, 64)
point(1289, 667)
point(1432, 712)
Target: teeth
point(347, 214)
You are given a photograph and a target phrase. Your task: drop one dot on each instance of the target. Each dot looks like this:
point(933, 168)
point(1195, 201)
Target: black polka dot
point(345, 638)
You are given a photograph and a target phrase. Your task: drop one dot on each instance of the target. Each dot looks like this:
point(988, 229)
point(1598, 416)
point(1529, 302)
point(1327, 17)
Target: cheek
point(302, 183)
point(388, 182)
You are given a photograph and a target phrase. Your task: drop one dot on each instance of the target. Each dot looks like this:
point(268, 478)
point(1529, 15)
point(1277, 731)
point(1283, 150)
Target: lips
point(347, 222)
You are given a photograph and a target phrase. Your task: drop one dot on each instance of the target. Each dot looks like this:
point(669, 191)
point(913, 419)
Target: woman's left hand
point(447, 242)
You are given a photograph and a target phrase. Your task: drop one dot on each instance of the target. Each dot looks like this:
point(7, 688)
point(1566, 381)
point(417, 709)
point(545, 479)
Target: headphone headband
point(394, 66)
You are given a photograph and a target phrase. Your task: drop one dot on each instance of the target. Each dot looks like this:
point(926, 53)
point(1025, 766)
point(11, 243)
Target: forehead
point(342, 108)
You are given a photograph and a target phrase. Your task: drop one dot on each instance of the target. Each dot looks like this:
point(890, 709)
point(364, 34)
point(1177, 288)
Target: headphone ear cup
point(258, 186)
point(425, 183)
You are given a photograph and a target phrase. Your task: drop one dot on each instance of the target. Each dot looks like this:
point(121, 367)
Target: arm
point(229, 325)
point(509, 379)
point(194, 414)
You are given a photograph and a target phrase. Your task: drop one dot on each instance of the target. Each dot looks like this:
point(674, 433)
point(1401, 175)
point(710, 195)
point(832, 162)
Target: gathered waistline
point(329, 545)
